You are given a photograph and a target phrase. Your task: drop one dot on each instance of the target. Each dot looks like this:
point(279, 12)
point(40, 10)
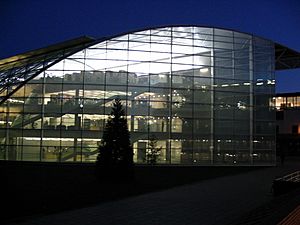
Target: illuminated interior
point(202, 93)
point(282, 102)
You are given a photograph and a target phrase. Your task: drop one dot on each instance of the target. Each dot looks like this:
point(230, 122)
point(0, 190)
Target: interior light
point(204, 70)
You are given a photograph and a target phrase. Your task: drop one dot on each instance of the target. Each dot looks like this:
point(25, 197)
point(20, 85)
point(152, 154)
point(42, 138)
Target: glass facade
point(202, 93)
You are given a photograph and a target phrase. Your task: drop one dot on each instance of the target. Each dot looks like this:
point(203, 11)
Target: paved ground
point(293, 218)
point(218, 201)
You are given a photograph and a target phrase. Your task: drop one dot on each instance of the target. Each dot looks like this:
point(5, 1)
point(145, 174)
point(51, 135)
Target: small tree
point(115, 148)
point(152, 152)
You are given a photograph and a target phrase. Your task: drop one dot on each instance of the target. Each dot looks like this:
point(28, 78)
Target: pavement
point(293, 218)
point(224, 200)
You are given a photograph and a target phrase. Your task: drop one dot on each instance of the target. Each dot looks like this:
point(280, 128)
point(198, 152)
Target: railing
point(286, 183)
point(292, 177)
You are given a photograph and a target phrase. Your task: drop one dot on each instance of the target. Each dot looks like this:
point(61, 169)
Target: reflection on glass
point(203, 93)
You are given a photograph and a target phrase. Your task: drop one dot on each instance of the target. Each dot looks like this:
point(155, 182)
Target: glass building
point(202, 93)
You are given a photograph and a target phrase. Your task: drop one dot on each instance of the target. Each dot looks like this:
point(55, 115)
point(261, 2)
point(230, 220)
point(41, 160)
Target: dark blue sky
point(32, 24)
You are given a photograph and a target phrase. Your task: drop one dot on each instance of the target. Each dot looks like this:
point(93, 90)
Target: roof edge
point(48, 49)
point(286, 58)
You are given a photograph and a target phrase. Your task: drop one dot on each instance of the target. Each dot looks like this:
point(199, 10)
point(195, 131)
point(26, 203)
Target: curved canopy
point(17, 70)
point(286, 58)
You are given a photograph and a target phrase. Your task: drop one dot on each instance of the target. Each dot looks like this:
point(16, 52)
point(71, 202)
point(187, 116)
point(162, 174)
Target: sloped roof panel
point(17, 70)
point(286, 58)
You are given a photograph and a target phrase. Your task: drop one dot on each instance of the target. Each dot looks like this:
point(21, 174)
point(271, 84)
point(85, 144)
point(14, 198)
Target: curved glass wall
point(202, 93)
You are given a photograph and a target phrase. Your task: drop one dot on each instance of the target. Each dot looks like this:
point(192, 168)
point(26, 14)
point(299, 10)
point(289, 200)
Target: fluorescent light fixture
point(204, 70)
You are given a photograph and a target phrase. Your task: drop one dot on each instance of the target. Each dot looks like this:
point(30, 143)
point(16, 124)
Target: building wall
point(202, 93)
point(289, 121)
point(288, 124)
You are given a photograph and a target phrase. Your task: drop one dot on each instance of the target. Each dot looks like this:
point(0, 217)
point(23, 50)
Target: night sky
point(32, 24)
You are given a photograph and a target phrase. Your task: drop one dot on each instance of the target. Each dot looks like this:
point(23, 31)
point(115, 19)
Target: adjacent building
point(288, 123)
point(203, 93)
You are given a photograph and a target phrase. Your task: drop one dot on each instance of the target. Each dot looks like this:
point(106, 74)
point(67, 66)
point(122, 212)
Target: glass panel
point(183, 85)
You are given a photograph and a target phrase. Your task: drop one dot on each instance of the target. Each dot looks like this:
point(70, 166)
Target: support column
point(251, 111)
point(212, 95)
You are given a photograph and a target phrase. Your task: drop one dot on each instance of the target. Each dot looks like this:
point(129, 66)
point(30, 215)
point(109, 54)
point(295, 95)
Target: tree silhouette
point(115, 148)
point(152, 152)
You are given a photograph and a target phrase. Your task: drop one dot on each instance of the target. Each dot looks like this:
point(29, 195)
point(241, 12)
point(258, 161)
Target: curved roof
point(18, 70)
point(286, 58)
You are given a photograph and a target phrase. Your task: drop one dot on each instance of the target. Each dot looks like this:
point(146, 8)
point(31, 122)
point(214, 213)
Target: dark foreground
point(43, 188)
point(232, 198)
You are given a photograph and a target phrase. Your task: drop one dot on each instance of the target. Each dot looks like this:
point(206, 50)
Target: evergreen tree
point(152, 152)
point(115, 148)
